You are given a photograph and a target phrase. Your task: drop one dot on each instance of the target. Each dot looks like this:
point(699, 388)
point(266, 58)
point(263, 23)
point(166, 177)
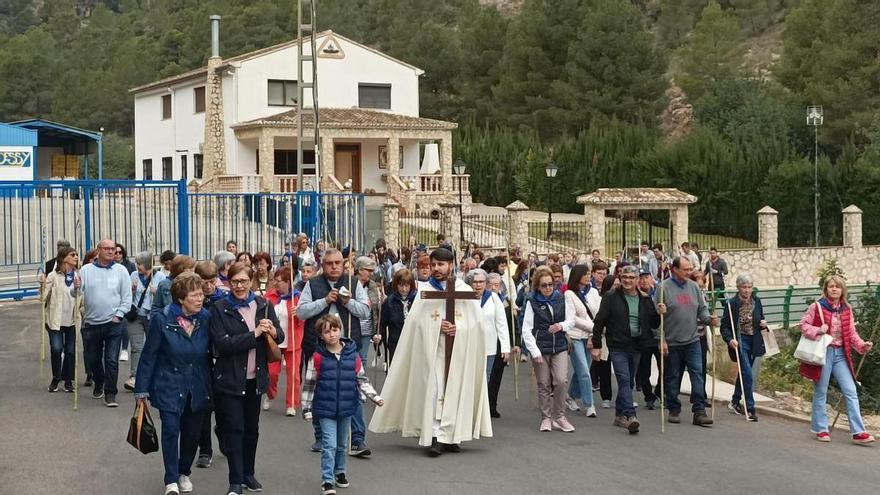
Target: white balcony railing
point(433, 183)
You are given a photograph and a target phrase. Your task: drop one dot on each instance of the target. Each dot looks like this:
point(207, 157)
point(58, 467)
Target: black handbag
point(132, 314)
point(141, 431)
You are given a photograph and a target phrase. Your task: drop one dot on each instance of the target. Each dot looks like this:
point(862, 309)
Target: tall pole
point(816, 186)
point(460, 219)
point(549, 209)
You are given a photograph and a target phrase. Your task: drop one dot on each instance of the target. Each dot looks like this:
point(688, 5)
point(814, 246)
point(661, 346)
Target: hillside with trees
point(705, 95)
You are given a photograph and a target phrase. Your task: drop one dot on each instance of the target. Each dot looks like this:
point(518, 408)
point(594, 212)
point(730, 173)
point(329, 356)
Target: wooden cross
point(450, 295)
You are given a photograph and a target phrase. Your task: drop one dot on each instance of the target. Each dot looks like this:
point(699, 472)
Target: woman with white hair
point(495, 327)
point(744, 340)
point(223, 260)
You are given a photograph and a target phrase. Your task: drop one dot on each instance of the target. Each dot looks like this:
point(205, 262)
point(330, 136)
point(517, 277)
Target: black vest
point(320, 287)
point(549, 343)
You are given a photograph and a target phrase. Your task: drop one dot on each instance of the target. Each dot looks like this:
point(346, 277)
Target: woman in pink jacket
point(832, 315)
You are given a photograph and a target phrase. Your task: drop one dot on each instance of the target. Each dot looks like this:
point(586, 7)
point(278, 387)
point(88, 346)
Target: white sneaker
point(572, 405)
point(635, 404)
point(291, 411)
point(267, 404)
point(591, 412)
point(172, 489)
point(129, 384)
point(123, 355)
point(385, 367)
point(186, 485)
point(606, 404)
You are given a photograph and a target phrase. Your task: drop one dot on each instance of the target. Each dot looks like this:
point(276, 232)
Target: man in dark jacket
point(626, 317)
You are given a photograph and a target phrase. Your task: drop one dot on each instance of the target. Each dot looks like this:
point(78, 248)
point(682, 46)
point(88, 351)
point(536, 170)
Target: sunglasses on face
point(546, 286)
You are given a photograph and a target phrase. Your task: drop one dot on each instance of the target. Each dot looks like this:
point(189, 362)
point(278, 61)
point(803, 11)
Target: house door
point(347, 160)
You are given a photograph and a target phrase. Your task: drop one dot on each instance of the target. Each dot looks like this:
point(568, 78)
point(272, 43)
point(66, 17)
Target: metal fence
point(486, 231)
point(159, 215)
point(724, 236)
point(563, 236)
point(626, 235)
point(785, 306)
point(420, 228)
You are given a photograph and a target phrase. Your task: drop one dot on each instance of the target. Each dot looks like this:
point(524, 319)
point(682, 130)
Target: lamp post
point(815, 118)
point(459, 168)
point(551, 170)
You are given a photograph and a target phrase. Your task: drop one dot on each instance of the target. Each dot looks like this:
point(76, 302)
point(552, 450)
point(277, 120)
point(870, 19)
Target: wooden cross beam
point(450, 295)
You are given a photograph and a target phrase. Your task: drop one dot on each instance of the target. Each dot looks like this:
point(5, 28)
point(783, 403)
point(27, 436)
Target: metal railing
point(724, 236)
point(785, 306)
point(159, 215)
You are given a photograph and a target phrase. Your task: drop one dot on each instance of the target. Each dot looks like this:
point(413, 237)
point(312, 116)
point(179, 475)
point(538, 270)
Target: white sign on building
point(16, 163)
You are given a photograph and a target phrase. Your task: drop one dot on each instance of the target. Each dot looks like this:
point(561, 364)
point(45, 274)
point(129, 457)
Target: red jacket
point(811, 323)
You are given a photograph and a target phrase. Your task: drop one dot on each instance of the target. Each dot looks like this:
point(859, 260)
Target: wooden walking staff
point(739, 371)
point(511, 291)
point(42, 275)
point(858, 370)
point(710, 339)
point(662, 377)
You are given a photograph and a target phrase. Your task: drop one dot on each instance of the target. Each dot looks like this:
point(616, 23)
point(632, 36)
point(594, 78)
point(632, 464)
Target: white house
point(368, 104)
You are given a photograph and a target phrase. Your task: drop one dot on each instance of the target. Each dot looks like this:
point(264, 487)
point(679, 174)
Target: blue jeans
point(366, 343)
point(358, 427)
point(62, 347)
point(104, 341)
point(687, 356)
point(334, 447)
point(580, 379)
point(180, 439)
point(747, 359)
point(836, 364)
point(625, 365)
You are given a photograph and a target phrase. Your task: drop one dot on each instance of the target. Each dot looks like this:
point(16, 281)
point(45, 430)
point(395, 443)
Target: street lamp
point(551, 170)
point(815, 118)
point(459, 168)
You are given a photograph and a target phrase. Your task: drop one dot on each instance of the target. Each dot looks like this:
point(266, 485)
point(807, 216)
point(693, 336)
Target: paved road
point(45, 447)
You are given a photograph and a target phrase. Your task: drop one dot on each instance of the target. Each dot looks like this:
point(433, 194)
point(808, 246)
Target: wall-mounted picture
point(383, 156)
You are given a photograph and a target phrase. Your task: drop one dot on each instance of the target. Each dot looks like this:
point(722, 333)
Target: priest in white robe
point(419, 399)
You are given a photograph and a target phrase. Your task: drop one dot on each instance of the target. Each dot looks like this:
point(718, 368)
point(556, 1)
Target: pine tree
point(711, 53)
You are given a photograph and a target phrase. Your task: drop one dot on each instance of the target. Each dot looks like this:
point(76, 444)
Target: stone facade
point(214, 152)
point(519, 226)
point(768, 228)
point(450, 222)
point(391, 222)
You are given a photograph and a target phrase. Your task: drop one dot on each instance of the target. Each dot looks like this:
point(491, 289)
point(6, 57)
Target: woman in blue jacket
point(745, 337)
point(174, 375)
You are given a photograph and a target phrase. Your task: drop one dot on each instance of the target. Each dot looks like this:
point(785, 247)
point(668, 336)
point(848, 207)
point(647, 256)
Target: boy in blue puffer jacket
point(330, 393)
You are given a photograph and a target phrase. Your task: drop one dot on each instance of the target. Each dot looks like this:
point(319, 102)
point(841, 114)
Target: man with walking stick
point(682, 304)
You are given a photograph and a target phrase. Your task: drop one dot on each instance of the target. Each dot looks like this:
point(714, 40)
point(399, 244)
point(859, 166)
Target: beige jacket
point(51, 297)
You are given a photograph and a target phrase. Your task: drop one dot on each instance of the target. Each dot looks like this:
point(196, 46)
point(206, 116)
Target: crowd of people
point(206, 341)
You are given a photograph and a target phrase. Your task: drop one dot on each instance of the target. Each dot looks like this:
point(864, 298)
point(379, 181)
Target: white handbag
point(813, 351)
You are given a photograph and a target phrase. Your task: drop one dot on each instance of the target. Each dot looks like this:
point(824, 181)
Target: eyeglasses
point(239, 282)
point(546, 286)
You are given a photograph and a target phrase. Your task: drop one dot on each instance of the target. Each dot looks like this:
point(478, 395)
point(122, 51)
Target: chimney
point(215, 36)
point(214, 158)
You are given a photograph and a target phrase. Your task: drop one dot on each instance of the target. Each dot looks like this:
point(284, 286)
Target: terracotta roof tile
point(350, 118)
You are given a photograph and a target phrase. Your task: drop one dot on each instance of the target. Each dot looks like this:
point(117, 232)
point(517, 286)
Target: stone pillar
point(446, 164)
point(679, 219)
point(267, 160)
point(214, 147)
point(393, 155)
point(328, 164)
point(519, 227)
point(595, 218)
point(391, 223)
point(768, 228)
point(450, 223)
point(852, 226)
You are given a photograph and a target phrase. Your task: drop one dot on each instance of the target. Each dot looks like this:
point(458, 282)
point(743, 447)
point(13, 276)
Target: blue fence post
point(87, 213)
point(182, 217)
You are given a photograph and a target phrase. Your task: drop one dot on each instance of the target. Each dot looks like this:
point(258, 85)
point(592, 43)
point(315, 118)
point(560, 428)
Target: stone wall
point(774, 266)
point(798, 266)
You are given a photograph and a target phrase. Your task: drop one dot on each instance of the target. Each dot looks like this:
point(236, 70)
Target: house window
point(166, 107)
point(199, 97)
point(374, 96)
point(148, 169)
point(282, 93)
point(166, 168)
point(285, 162)
point(183, 171)
point(198, 164)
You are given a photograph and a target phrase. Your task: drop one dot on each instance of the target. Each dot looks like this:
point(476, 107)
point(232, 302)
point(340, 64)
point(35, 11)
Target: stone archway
point(641, 198)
